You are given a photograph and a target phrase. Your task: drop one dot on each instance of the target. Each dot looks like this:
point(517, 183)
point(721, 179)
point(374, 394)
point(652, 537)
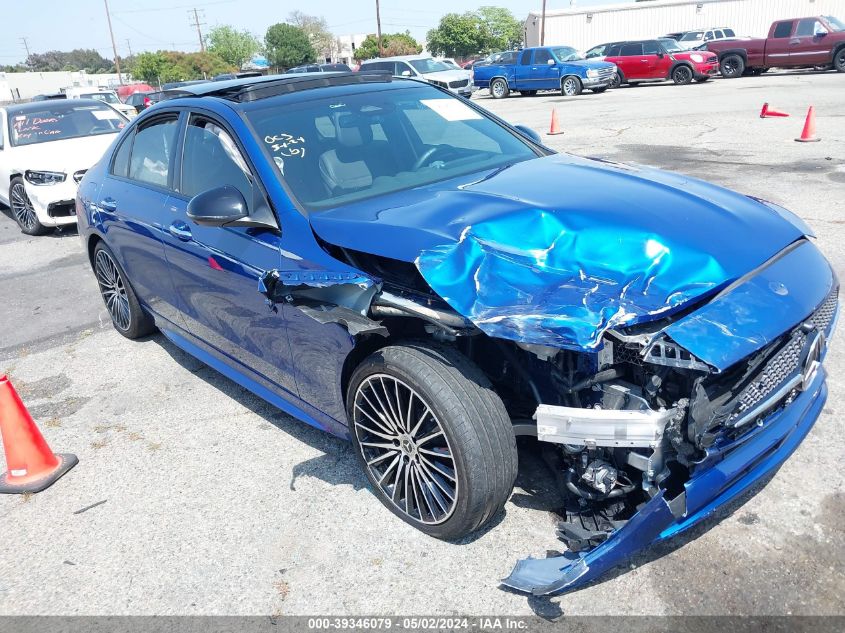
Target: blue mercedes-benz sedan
point(398, 266)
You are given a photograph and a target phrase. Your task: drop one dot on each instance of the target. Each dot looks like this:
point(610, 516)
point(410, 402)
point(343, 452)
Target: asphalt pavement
point(216, 503)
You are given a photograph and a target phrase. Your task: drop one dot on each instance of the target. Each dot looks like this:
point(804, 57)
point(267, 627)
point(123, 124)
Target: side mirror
point(551, 62)
point(529, 133)
point(821, 34)
point(406, 73)
point(218, 206)
point(660, 54)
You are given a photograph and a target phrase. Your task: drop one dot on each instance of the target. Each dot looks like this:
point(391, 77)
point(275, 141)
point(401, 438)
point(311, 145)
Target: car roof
point(396, 58)
point(255, 88)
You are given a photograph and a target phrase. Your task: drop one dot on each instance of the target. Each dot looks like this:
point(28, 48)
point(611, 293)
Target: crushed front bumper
point(53, 204)
point(749, 459)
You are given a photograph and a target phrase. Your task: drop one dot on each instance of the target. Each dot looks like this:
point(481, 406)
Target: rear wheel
point(23, 210)
point(499, 89)
point(682, 75)
point(839, 60)
point(732, 66)
point(433, 438)
point(126, 313)
point(570, 86)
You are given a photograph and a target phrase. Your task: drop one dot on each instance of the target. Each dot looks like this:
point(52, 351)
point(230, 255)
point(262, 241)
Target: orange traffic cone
point(767, 112)
point(32, 465)
point(555, 127)
point(808, 135)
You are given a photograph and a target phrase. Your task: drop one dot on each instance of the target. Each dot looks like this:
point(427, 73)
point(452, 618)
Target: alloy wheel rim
point(22, 207)
point(730, 67)
point(113, 290)
point(684, 74)
point(405, 449)
point(497, 89)
point(569, 87)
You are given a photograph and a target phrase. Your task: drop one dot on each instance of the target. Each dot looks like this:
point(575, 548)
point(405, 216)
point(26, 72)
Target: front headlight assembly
point(592, 74)
point(44, 177)
point(697, 58)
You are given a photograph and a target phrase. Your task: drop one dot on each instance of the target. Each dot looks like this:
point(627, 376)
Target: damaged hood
point(556, 250)
point(65, 155)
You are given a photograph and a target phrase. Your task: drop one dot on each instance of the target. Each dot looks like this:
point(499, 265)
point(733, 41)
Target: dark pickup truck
point(795, 43)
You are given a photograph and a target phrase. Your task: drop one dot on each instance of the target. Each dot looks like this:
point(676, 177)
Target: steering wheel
point(422, 160)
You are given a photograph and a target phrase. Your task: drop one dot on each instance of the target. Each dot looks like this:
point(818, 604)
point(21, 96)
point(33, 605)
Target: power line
point(182, 6)
point(198, 24)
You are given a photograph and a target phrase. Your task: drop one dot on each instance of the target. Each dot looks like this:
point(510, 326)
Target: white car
point(694, 39)
point(104, 95)
point(45, 149)
point(427, 68)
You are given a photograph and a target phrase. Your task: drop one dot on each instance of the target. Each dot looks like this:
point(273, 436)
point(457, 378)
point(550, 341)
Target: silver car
point(425, 68)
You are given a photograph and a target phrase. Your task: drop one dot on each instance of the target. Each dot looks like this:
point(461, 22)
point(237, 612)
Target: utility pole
point(378, 29)
point(543, 26)
point(113, 45)
point(26, 46)
point(198, 24)
point(129, 46)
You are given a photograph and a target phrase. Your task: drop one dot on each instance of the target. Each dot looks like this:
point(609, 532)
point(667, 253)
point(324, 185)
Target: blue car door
point(523, 72)
point(216, 270)
point(545, 70)
point(130, 209)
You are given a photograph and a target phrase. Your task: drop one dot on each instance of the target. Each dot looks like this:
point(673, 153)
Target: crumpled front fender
point(708, 490)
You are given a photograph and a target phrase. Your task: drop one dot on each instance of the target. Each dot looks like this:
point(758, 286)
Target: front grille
point(62, 209)
point(459, 84)
point(442, 84)
point(606, 73)
point(785, 363)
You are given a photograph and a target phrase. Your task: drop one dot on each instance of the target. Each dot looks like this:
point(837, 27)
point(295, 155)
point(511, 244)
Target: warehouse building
point(585, 27)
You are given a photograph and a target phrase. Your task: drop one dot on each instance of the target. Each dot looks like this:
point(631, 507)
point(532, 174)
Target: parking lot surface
point(216, 503)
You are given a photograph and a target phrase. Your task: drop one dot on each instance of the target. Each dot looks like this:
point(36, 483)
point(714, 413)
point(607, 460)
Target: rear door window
point(783, 29)
point(152, 151)
point(631, 50)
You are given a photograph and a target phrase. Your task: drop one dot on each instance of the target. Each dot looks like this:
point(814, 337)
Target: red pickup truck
point(795, 43)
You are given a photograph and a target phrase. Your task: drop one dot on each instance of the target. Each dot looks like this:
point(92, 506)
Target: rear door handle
point(181, 231)
point(108, 204)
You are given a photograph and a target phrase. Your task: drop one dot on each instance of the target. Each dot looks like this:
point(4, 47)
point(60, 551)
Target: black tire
point(682, 75)
point(732, 66)
point(528, 93)
point(598, 91)
point(118, 296)
point(617, 80)
point(22, 210)
point(570, 86)
point(499, 89)
point(839, 60)
point(476, 433)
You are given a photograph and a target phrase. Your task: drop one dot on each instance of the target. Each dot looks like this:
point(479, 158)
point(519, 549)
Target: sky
point(159, 24)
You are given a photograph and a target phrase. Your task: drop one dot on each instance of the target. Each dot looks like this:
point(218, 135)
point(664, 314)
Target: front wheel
point(123, 307)
point(499, 89)
point(682, 75)
point(570, 87)
point(435, 441)
point(839, 60)
point(23, 210)
point(732, 66)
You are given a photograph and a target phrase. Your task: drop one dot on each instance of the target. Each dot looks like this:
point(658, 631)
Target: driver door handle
point(181, 231)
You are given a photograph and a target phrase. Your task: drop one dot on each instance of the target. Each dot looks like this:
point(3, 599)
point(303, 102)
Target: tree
point(393, 43)
point(232, 46)
point(85, 59)
point(502, 31)
point(488, 29)
point(317, 31)
point(287, 46)
point(150, 67)
point(167, 66)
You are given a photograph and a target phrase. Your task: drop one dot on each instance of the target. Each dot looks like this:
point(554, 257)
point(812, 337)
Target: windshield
point(59, 120)
point(693, 36)
point(671, 46)
point(566, 53)
point(333, 151)
point(836, 24)
point(106, 97)
point(425, 66)
point(596, 51)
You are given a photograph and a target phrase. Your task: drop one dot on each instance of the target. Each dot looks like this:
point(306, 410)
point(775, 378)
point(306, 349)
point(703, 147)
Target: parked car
point(45, 148)
point(172, 85)
point(599, 52)
point(139, 100)
point(126, 90)
point(545, 68)
point(397, 266)
point(49, 97)
point(320, 68)
point(503, 57)
point(659, 60)
point(102, 94)
point(451, 63)
point(697, 39)
point(795, 43)
point(676, 35)
point(240, 75)
point(425, 68)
